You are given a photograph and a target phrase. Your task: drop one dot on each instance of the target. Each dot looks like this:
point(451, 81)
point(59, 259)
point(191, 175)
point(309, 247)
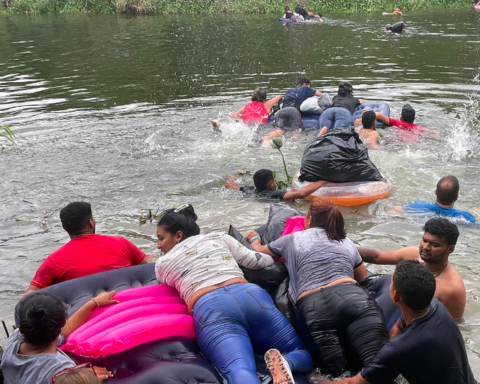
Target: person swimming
point(288, 13)
point(396, 12)
point(396, 28)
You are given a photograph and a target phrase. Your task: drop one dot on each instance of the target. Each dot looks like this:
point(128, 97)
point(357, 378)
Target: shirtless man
point(368, 134)
point(437, 243)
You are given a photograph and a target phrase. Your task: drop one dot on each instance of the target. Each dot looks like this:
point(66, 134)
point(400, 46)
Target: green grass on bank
point(215, 6)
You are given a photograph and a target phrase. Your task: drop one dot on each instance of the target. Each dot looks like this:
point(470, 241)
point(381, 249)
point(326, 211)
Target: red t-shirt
point(87, 255)
point(412, 130)
point(255, 112)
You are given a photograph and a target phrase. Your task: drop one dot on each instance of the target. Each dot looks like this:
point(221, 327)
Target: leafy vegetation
point(9, 135)
point(277, 143)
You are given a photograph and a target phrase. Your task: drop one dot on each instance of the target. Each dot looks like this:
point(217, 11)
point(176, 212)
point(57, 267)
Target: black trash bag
point(277, 218)
point(338, 156)
point(282, 300)
point(268, 278)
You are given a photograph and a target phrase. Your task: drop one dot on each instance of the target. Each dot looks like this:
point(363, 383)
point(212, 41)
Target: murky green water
point(115, 111)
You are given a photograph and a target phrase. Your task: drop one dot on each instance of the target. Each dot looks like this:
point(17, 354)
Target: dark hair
point(41, 318)
point(415, 284)
point(320, 15)
point(388, 27)
point(368, 119)
point(345, 88)
point(325, 214)
point(302, 80)
point(181, 219)
point(447, 190)
point(75, 217)
point(398, 8)
point(259, 94)
point(261, 178)
point(83, 375)
point(287, 8)
point(442, 228)
point(408, 113)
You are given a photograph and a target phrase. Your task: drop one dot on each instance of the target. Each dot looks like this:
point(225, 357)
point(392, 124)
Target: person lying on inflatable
point(396, 28)
point(429, 347)
point(229, 313)
point(307, 15)
point(436, 245)
point(447, 191)
point(266, 187)
point(31, 354)
point(333, 312)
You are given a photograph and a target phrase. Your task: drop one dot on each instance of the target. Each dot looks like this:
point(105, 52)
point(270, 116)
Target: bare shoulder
point(451, 291)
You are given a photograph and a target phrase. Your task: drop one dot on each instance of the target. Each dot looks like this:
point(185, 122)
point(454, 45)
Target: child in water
point(397, 12)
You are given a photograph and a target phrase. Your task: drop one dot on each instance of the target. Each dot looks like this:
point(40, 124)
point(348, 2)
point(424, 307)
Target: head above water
point(438, 241)
point(398, 9)
point(83, 375)
point(447, 190)
point(408, 114)
point(259, 94)
point(303, 81)
point(413, 285)
point(325, 214)
point(176, 225)
point(345, 88)
point(41, 318)
point(369, 120)
point(287, 8)
point(263, 180)
point(77, 219)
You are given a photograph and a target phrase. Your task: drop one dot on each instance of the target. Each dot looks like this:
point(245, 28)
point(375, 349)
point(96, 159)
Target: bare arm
point(384, 119)
point(397, 209)
point(374, 256)
point(360, 272)
point(270, 103)
point(238, 113)
point(305, 191)
point(396, 330)
point(454, 296)
point(257, 245)
point(318, 93)
point(358, 122)
point(31, 289)
point(148, 260)
point(231, 184)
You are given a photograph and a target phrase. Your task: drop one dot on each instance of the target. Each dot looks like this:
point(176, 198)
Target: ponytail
point(259, 94)
point(325, 214)
point(182, 219)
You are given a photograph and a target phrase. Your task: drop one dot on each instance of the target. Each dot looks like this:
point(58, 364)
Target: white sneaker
point(279, 368)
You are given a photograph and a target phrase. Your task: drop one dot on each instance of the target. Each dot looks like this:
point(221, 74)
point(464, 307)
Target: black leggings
point(341, 326)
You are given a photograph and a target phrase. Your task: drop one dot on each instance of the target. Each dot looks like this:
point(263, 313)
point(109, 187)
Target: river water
point(114, 110)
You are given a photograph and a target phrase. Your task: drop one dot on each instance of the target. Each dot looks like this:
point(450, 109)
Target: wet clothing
point(288, 14)
point(312, 260)
point(404, 125)
point(429, 351)
point(342, 328)
point(423, 206)
point(288, 119)
point(294, 97)
point(87, 255)
point(255, 112)
point(302, 11)
point(204, 260)
point(266, 194)
point(335, 118)
point(348, 102)
point(397, 27)
point(233, 321)
point(32, 369)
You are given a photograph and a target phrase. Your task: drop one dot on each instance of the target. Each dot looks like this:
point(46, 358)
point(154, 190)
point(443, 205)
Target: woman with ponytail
point(230, 314)
point(340, 324)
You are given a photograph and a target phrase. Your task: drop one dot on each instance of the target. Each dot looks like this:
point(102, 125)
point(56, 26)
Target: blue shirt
point(423, 206)
point(296, 96)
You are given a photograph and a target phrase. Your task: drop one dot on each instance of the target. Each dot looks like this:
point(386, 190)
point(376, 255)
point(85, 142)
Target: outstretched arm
point(231, 184)
point(270, 103)
point(375, 256)
point(318, 93)
point(237, 114)
point(305, 191)
point(384, 119)
point(246, 257)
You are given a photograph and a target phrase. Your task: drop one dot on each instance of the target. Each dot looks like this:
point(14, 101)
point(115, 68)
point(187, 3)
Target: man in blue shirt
point(294, 97)
point(428, 347)
point(447, 194)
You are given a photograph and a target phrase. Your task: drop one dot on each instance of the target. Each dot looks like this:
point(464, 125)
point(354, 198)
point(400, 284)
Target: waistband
point(228, 289)
point(327, 291)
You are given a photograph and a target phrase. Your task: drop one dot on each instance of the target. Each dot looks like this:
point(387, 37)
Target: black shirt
point(294, 97)
point(267, 194)
point(348, 102)
point(429, 351)
point(302, 11)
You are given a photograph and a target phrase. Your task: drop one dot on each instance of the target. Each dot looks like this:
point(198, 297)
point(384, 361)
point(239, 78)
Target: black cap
point(408, 113)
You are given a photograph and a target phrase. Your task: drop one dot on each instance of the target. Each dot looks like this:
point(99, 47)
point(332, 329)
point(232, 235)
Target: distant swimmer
point(266, 187)
point(437, 243)
point(368, 133)
point(406, 120)
point(299, 9)
point(447, 191)
point(396, 12)
point(288, 13)
point(397, 27)
point(258, 110)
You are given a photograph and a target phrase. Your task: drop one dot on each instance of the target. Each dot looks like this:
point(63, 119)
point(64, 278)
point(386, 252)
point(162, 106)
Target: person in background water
point(429, 348)
point(266, 187)
point(396, 12)
point(396, 28)
point(447, 192)
point(294, 97)
point(288, 13)
point(306, 14)
point(86, 253)
point(437, 243)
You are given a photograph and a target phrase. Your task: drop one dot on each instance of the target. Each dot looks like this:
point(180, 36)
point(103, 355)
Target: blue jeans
point(234, 321)
point(335, 117)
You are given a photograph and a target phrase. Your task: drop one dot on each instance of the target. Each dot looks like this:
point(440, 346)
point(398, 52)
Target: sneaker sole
point(274, 361)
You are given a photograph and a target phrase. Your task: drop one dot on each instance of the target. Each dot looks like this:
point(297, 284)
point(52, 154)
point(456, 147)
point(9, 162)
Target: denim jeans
point(234, 321)
point(335, 117)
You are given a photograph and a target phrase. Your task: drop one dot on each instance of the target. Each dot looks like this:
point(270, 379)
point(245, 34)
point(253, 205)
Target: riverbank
point(215, 6)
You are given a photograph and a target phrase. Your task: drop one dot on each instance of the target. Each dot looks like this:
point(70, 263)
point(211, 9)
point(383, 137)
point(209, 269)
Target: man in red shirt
point(86, 253)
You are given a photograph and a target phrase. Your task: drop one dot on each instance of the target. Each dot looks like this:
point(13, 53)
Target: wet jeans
point(335, 117)
point(234, 321)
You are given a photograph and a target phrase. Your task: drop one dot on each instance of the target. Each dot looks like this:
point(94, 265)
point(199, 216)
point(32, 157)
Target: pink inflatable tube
point(144, 314)
point(294, 224)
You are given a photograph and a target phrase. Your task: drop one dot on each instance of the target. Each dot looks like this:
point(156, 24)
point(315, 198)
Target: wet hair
point(325, 214)
point(415, 284)
point(75, 217)
point(41, 318)
point(345, 88)
point(259, 94)
point(84, 375)
point(287, 8)
point(320, 15)
point(302, 80)
point(261, 178)
point(368, 119)
point(447, 190)
point(408, 113)
point(442, 228)
point(398, 8)
point(183, 220)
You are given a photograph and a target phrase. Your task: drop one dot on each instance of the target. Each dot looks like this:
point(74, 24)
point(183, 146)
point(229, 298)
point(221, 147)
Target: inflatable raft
point(349, 194)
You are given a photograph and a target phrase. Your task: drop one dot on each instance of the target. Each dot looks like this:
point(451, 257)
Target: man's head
point(345, 88)
point(264, 180)
point(369, 120)
point(438, 240)
point(447, 190)
point(413, 285)
point(303, 81)
point(398, 9)
point(77, 218)
point(408, 114)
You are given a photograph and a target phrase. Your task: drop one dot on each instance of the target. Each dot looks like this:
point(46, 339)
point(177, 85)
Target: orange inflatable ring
point(356, 193)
